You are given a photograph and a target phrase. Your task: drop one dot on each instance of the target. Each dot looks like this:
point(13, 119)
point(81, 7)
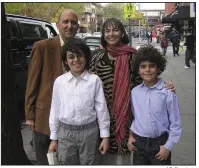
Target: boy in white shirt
point(79, 111)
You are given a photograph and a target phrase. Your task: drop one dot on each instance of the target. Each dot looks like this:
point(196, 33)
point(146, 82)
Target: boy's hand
point(163, 153)
point(170, 86)
point(104, 145)
point(52, 146)
point(130, 145)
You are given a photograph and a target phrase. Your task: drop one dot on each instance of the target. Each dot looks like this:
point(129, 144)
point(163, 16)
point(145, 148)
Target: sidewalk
point(185, 82)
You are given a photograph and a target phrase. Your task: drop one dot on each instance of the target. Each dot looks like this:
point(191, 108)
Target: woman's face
point(112, 36)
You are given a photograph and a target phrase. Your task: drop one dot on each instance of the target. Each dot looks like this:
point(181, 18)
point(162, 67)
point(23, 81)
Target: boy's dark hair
point(151, 54)
point(116, 23)
point(76, 45)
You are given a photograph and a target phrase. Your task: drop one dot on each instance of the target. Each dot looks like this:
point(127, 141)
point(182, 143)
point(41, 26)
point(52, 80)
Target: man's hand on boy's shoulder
point(170, 86)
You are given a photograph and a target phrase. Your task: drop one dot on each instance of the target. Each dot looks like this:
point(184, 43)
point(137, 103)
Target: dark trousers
point(147, 148)
point(189, 55)
point(149, 41)
point(42, 143)
point(175, 48)
point(164, 50)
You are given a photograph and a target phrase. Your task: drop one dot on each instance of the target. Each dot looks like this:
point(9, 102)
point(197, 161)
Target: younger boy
point(156, 126)
point(79, 113)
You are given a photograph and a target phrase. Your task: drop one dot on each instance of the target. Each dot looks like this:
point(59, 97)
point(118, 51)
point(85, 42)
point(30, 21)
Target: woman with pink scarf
point(114, 65)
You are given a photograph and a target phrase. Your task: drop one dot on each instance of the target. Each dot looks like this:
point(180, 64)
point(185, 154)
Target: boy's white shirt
point(78, 101)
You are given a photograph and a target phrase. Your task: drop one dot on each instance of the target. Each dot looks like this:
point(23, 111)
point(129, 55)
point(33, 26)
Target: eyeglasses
point(75, 56)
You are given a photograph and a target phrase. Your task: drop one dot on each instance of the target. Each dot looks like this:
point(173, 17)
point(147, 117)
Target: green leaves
point(45, 11)
point(77, 7)
point(114, 10)
point(14, 8)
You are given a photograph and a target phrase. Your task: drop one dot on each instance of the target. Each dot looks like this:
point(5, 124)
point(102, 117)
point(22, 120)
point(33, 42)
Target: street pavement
point(184, 80)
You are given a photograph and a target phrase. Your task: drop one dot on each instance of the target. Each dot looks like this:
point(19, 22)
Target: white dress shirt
point(78, 101)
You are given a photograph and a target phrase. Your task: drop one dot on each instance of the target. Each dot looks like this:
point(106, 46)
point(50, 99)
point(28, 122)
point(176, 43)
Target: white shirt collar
point(84, 76)
point(158, 85)
point(61, 41)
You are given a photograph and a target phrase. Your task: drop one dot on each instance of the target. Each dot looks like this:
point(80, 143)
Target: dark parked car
point(93, 42)
point(24, 31)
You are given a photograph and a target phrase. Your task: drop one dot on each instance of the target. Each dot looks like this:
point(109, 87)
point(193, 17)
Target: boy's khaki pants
point(78, 144)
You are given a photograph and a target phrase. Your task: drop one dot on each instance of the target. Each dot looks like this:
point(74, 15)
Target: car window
point(32, 30)
point(12, 29)
point(92, 40)
point(50, 31)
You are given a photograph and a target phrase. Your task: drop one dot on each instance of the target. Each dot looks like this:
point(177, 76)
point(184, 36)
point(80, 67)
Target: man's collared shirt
point(78, 101)
point(61, 41)
point(156, 111)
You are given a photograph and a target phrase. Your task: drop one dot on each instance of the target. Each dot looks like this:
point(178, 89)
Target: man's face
point(68, 25)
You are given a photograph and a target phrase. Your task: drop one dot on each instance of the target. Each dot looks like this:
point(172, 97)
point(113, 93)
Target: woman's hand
point(170, 86)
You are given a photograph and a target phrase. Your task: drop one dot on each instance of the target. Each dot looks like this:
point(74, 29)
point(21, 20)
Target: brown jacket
point(45, 67)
